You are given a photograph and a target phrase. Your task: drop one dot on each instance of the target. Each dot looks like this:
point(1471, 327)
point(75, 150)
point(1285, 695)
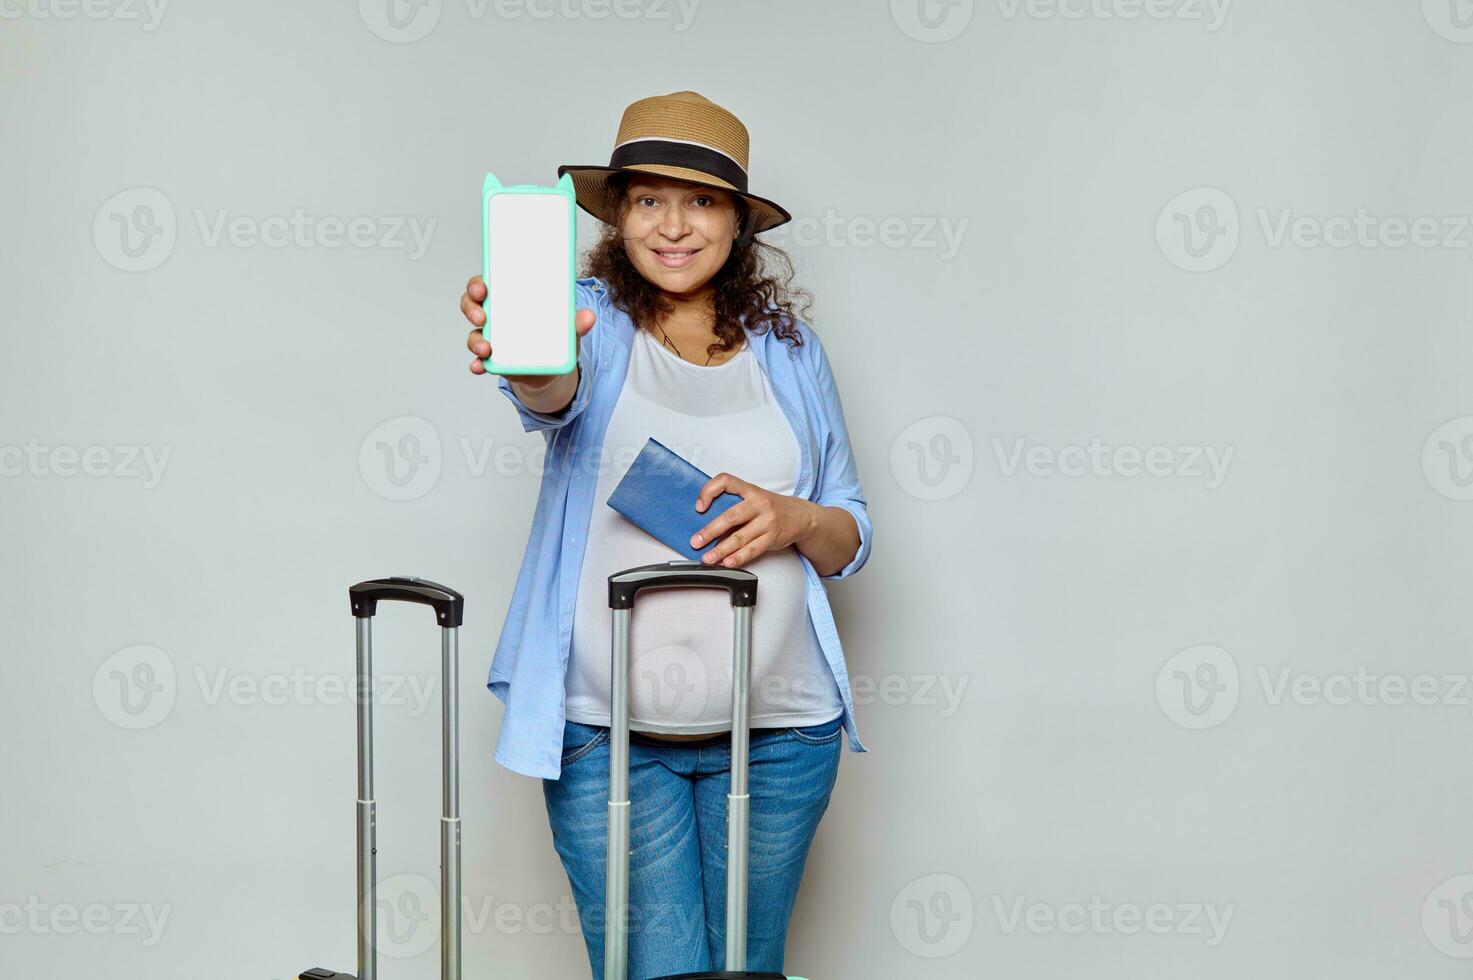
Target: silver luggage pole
point(367, 837)
point(449, 609)
point(623, 587)
point(450, 803)
point(737, 800)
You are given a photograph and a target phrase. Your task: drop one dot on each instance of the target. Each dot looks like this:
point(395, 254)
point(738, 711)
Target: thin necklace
point(677, 349)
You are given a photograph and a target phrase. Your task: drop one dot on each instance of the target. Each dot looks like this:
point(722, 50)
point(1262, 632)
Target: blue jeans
point(677, 869)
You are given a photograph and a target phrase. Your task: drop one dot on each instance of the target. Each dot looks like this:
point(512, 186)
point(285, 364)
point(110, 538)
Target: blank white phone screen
point(528, 254)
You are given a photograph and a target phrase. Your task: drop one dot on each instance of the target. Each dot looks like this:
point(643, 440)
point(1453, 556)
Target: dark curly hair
point(756, 282)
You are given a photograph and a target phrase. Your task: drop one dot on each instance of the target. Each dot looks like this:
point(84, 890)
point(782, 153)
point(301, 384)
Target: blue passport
point(659, 495)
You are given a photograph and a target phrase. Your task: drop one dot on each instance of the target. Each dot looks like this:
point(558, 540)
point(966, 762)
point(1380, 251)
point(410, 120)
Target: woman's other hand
point(764, 521)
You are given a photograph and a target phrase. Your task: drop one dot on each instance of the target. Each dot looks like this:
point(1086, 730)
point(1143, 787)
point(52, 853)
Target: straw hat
point(683, 136)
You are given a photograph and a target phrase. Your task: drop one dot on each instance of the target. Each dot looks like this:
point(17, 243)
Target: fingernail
point(695, 541)
point(708, 557)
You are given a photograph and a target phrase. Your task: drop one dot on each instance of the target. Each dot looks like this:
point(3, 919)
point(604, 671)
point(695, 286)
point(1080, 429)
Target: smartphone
point(529, 256)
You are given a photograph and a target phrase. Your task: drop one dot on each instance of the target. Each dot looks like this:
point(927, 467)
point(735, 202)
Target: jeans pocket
point(584, 738)
point(820, 734)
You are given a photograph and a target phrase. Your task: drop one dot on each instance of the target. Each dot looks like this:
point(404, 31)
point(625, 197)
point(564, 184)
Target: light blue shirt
point(532, 655)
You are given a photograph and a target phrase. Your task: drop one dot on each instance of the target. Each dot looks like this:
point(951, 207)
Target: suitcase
point(449, 609)
point(623, 588)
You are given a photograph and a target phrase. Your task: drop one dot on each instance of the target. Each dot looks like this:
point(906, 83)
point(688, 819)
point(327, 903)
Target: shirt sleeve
point(584, 298)
point(838, 483)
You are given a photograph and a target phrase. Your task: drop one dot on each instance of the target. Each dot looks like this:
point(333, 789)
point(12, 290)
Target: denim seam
point(816, 740)
point(586, 748)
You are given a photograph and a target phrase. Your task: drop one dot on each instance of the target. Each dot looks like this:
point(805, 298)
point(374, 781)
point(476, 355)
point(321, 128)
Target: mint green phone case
point(564, 187)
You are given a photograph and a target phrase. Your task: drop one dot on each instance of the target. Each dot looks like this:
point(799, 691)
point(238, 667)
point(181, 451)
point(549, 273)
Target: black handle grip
point(448, 604)
point(623, 586)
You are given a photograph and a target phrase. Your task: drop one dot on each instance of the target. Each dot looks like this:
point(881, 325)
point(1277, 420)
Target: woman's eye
point(704, 198)
point(642, 200)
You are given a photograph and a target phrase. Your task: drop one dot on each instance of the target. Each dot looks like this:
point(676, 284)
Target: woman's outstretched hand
point(476, 343)
point(764, 521)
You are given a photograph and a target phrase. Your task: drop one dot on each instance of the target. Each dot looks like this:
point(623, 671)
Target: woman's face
point(678, 235)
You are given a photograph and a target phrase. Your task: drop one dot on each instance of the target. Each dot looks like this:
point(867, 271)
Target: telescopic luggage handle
point(625, 585)
point(449, 607)
point(623, 588)
point(448, 604)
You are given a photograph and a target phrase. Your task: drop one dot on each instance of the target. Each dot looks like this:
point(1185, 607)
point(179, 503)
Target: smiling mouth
point(675, 258)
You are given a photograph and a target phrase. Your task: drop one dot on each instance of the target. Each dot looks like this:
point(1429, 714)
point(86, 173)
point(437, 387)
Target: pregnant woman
point(683, 335)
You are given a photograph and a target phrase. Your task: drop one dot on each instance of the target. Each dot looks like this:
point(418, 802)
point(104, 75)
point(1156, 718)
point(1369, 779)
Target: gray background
point(1117, 640)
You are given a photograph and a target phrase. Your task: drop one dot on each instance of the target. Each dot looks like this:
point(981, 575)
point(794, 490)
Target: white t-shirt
point(722, 417)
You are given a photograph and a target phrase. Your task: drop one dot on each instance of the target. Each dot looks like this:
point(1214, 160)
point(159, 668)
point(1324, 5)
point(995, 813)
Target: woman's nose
point(673, 223)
